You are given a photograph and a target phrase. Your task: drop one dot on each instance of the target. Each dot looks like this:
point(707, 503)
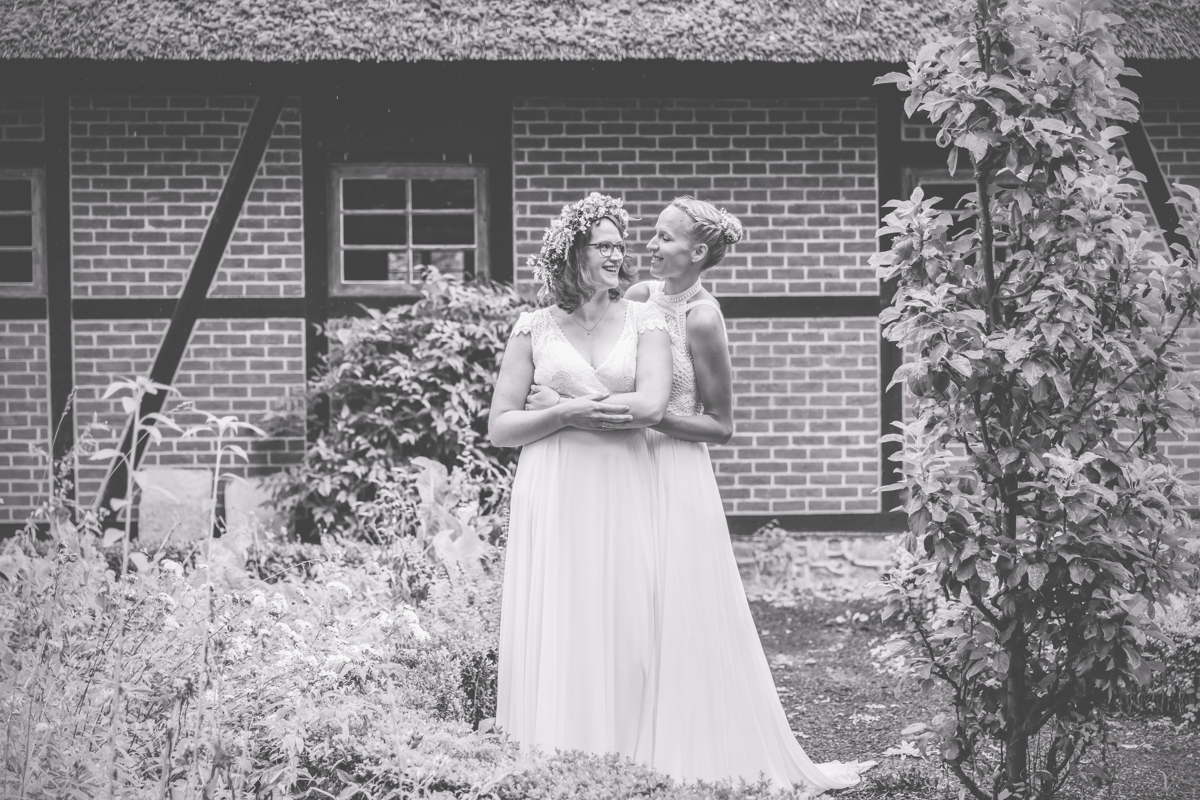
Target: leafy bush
point(414, 381)
point(1047, 363)
point(230, 682)
point(1175, 689)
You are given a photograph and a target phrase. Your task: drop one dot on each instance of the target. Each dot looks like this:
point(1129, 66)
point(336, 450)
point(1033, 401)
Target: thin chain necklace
point(685, 295)
point(588, 331)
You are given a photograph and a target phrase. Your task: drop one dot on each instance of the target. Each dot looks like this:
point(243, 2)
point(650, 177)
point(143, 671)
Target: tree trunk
point(1016, 756)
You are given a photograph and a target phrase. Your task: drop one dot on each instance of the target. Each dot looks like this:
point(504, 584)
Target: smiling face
point(603, 272)
point(672, 251)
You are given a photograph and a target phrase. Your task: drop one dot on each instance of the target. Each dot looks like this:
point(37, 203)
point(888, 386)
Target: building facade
point(118, 177)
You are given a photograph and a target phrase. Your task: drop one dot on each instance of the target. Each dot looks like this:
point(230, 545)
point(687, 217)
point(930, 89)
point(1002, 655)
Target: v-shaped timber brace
point(204, 267)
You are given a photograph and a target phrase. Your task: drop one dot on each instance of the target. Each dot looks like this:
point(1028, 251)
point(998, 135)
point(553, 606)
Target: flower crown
point(575, 219)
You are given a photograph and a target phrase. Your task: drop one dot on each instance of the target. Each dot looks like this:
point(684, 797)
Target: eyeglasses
point(606, 248)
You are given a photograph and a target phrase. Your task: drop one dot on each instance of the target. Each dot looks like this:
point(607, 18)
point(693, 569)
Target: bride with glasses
point(577, 632)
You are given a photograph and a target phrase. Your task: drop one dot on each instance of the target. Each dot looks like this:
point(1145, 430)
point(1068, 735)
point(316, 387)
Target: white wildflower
point(414, 624)
point(258, 599)
point(296, 638)
point(341, 587)
point(173, 568)
point(170, 623)
point(278, 603)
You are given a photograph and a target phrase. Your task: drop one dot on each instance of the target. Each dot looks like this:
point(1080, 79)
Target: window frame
point(339, 172)
point(37, 178)
point(912, 177)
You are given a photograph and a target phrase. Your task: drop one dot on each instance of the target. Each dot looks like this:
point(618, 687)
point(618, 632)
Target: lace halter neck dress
point(577, 633)
point(717, 714)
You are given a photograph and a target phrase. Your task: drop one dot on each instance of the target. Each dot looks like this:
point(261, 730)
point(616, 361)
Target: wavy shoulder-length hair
point(571, 288)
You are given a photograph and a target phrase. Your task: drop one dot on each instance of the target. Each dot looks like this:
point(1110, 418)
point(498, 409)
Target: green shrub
point(236, 685)
point(414, 381)
point(1175, 689)
point(1047, 366)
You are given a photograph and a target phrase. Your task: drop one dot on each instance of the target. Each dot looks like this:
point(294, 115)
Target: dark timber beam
point(58, 276)
point(195, 291)
point(164, 308)
point(1158, 193)
point(890, 182)
point(314, 165)
point(853, 524)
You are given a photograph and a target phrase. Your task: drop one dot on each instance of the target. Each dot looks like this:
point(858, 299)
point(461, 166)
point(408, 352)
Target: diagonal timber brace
point(1158, 193)
point(204, 267)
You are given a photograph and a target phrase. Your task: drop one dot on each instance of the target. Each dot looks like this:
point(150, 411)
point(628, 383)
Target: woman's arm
point(510, 425)
point(648, 401)
point(639, 292)
point(714, 382)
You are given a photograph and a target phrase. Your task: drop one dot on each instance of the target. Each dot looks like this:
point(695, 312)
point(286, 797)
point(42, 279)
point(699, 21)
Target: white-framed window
point(389, 222)
point(938, 182)
point(22, 232)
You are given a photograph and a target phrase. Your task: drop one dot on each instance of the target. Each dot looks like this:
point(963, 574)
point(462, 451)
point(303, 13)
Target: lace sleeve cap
point(524, 325)
point(650, 318)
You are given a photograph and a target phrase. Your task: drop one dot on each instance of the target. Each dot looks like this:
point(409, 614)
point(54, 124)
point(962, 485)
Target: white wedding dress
point(717, 714)
point(577, 624)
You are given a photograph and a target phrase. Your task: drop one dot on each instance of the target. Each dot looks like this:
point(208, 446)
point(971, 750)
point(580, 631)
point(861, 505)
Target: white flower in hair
point(575, 219)
point(729, 227)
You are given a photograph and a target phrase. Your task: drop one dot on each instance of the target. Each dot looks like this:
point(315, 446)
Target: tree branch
point(968, 782)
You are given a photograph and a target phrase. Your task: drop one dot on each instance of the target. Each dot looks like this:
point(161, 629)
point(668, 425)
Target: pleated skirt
point(578, 616)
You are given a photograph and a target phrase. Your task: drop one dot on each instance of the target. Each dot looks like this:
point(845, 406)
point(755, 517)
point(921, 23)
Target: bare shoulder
point(705, 318)
point(639, 292)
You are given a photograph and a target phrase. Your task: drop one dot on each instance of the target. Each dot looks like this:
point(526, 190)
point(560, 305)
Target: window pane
point(444, 194)
point(372, 229)
point(16, 266)
point(460, 262)
point(437, 229)
point(370, 194)
point(16, 195)
point(16, 231)
point(374, 265)
point(950, 193)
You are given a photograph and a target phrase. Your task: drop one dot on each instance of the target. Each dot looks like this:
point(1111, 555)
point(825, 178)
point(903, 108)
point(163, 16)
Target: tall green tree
point(1046, 364)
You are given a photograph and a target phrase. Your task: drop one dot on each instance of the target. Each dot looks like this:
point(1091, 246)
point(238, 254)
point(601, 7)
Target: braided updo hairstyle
point(713, 226)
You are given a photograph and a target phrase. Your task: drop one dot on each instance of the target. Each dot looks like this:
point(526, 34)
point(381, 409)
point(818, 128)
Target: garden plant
point(412, 381)
point(1045, 334)
point(250, 665)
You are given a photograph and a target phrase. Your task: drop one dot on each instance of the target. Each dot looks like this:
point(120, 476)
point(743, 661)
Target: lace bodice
point(557, 364)
point(685, 397)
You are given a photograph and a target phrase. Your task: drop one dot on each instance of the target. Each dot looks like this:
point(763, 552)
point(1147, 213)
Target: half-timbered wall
point(801, 176)
point(131, 181)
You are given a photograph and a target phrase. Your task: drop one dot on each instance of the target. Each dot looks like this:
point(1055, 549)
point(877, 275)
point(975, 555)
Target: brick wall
point(799, 173)
point(240, 367)
point(21, 119)
point(806, 413)
point(1173, 127)
point(24, 417)
point(145, 175)
point(919, 129)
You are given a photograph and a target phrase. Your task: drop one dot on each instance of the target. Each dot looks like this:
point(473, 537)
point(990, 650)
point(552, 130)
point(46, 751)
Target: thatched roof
point(571, 30)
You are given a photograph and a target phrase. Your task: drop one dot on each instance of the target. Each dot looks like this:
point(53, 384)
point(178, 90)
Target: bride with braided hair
point(716, 713)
